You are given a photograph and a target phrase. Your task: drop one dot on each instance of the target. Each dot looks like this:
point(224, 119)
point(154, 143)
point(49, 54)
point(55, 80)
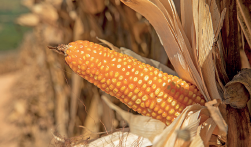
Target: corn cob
point(140, 86)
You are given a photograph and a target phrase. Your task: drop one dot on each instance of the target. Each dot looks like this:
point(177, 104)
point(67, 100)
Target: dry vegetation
point(50, 102)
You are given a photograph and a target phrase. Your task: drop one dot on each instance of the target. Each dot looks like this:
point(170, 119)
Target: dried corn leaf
point(244, 18)
point(187, 18)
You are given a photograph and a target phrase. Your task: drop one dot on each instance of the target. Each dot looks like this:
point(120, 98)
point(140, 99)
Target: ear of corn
point(140, 86)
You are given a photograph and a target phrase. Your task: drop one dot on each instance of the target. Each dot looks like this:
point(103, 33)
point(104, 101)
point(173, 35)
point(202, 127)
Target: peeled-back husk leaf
point(168, 136)
point(192, 117)
point(140, 125)
point(215, 113)
point(204, 42)
point(124, 139)
point(237, 91)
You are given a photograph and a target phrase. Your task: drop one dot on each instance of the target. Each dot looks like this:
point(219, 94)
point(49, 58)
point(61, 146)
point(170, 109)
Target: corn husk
point(200, 122)
point(120, 139)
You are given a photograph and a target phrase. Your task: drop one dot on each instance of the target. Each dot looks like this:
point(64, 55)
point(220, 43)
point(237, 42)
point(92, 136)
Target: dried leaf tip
point(61, 49)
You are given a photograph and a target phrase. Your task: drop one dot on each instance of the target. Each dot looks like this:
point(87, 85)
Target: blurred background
point(40, 96)
point(10, 33)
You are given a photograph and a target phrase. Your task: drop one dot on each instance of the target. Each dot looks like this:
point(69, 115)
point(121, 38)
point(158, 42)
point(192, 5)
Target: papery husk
point(215, 113)
point(140, 125)
point(237, 91)
point(204, 42)
point(125, 139)
point(200, 121)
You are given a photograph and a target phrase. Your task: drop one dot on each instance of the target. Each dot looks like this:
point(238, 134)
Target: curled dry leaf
point(29, 19)
point(237, 91)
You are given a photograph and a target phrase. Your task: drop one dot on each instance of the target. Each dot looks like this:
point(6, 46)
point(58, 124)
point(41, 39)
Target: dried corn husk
point(120, 139)
point(200, 122)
